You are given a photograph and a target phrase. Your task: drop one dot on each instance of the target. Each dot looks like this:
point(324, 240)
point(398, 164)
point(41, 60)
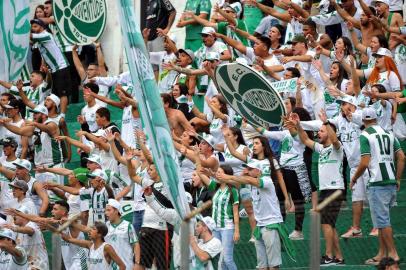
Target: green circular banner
point(80, 21)
point(250, 94)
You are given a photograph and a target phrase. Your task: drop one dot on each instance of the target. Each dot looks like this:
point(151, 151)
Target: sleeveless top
point(232, 161)
point(97, 261)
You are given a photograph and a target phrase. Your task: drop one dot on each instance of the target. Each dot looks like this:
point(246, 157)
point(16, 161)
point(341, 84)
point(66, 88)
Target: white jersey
point(89, 113)
point(74, 257)
point(389, 80)
point(9, 262)
point(35, 95)
point(213, 247)
point(215, 127)
point(74, 203)
point(291, 147)
point(50, 51)
point(48, 151)
point(122, 238)
point(381, 146)
point(151, 220)
point(232, 161)
point(137, 190)
point(384, 114)
point(6, 194)
point(32, 194)
point(128, 125)
point(97, 261)
point(166, 78)
point(187, 167)
point(35, 247)
point(103, 91)
point(28, 203)
point(330, 166)
point(98, 201)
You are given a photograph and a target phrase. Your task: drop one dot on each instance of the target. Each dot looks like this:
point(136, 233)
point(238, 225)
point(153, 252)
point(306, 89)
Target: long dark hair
point(223, 104)
point(342, 74)
point(348, 46)
point(237, 132)
point(38, 7)
point(101, 229)
point(268, 154)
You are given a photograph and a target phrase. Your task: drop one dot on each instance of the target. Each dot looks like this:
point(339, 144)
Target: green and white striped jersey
point(50, 51)
point(381, 146)
point(223, 202)
point(35, 95)
point(61, 41)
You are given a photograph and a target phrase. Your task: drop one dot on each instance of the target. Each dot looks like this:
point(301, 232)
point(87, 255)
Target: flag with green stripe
point(14, 32)
point(151, 107)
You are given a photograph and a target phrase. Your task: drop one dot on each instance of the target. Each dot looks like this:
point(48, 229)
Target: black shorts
point(330, 213)
point(61, 82)
point(155, 244)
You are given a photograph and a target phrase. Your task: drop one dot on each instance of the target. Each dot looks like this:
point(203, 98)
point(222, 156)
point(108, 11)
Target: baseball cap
point(298, 39)
point(209, 222)
point(9, 141)
point(253, 164)
point(12, 104)
point(7, 233)
point(348, 99)
point(212, 56)
point(23, 163)
point(207, 138)
point(55, 99)
point(188, 52)
point(98, 173)
point(382, 52)
point(369, 113)
point(39, 22)
point(207, 30)
point(81, 174)
point(236, 6)
point(20, 184)
point(94, 158)
point(374, 2)
point(115, 204)
point(40, 109)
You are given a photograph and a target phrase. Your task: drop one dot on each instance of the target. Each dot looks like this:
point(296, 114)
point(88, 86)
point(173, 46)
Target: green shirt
point(252, 17)
point(198, 7)
point(223, 29)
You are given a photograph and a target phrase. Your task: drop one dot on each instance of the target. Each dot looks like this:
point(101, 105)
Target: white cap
point(374, 2)
point(55, 99)
point(115, 204)
point(207, 138)
point(369, 113)
point(383, 52)
point(94, 158)
point(40, 109)
point(348, 99)
point(7, 233)
point(253, 164)
point(237, 8)
point(208, 30)
point(212, 56)
point(209, 222)
point(98, 173)
point(22, 163)
point(188, 52)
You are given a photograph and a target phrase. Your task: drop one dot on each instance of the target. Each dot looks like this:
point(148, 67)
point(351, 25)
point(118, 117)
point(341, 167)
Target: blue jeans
point(138, 217)
point(227, 242)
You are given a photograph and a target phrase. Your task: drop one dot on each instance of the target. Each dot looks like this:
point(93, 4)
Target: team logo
point(80, 21)
point(250, 94)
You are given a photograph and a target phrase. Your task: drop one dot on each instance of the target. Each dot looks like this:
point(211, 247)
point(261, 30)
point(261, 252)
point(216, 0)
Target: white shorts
point(268, 249)
point(359, 190)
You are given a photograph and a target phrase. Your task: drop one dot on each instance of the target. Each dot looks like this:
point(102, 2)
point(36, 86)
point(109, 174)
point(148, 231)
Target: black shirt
point(158, 12)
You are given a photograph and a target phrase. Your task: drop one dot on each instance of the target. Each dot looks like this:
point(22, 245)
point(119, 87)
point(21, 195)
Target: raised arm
point(358, 45)
point(79, 242)
point(100, 60)
point(271, 11)
point(232, 42)
point(85, 148)
point(345, 15)
point(78, 64)
point(201, 19)
point(109, 250)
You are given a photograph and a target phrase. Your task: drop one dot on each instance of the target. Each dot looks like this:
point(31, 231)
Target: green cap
point(81, 174)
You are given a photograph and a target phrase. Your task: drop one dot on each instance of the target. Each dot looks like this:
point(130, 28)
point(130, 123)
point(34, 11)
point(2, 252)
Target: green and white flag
point(14, 37)
point(285, 86)
point(80, 21)
point(151, 107)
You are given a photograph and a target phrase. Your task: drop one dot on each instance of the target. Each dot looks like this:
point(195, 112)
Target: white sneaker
point(296, 235)
point(252, 239)
point(243, 213)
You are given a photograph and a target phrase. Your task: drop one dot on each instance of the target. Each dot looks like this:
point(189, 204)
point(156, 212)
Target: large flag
point(14, 37)
point(151, 107)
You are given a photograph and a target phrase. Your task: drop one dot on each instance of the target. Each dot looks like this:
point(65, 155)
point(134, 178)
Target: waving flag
point(151, 107)
point(14, 37)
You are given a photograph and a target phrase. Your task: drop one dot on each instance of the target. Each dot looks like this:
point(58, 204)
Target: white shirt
point(330, 166)
point(166, 79)
point(151, 220)
point(9, 262)
point(390, 81)
point(213, 247)
point(89, 114)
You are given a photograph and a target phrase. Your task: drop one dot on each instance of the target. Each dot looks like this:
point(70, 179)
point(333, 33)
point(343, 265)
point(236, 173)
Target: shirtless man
point(392, 19)
point(177, 120)
point(368, 27)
